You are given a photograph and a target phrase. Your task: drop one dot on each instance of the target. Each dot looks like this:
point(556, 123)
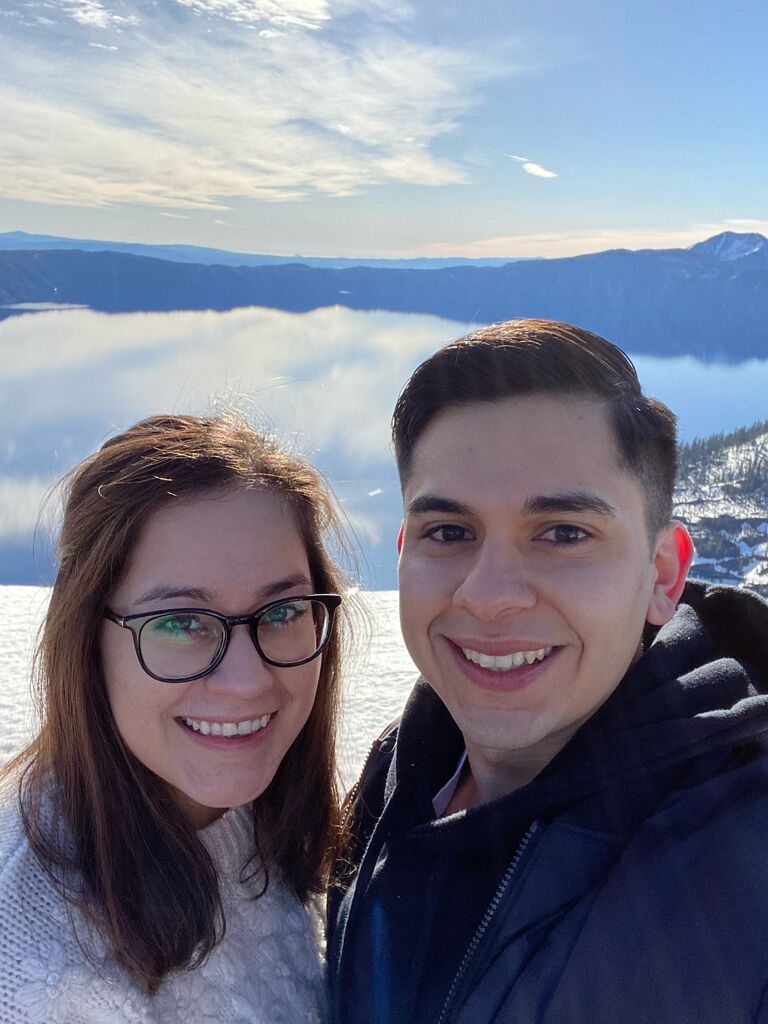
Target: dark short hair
point(528, 357)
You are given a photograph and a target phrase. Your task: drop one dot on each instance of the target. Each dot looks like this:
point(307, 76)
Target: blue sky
point(385, 127)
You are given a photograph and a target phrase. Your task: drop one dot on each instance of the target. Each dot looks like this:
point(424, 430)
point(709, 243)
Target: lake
point(325, 380)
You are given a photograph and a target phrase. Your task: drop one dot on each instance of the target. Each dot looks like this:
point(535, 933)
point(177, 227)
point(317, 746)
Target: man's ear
point(674, 554)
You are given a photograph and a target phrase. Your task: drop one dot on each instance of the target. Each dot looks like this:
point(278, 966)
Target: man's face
point(526, 572)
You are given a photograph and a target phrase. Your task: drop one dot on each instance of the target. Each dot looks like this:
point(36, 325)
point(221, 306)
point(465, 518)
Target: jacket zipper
point(487, 918)
point(351, 795)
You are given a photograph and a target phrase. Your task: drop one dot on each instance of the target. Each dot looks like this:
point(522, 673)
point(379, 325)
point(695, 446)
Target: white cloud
point(194, 109)
point(93, 14)
point(301, 13)
point(532, 168)
point(745, 224)
point(538, 171)
point(573, 243)
point(88, 12)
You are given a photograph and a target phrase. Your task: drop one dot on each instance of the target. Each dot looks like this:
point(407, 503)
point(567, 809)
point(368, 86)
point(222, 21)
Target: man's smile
point(504, 662)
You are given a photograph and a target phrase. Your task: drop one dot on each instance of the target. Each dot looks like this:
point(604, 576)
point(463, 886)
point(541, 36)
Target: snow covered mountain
point(731, 245)
point(722, 495)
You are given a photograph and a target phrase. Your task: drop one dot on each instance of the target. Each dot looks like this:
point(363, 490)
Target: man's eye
point(449, 534)
point(565, 533)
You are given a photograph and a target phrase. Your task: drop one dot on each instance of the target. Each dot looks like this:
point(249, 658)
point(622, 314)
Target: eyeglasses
point(182, 644)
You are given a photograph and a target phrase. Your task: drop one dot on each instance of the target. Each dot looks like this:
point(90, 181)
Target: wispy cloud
point(189, 103)
point(538, 171)
point(93, 14)
point(302, 13)
point(574, 243)
point(532, 168)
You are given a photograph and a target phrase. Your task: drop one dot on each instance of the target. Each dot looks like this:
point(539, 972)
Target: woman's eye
point(449, 533)
point(565, 533)
point(180, 626)
point(284, 614)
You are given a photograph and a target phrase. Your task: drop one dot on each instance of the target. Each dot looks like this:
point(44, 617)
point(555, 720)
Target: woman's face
point(230, 552)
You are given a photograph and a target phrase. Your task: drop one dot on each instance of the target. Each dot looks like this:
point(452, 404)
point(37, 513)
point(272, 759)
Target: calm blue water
point(326, 380)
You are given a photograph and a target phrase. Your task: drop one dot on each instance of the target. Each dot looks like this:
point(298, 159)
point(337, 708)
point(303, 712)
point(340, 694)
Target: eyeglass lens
point(176, 645)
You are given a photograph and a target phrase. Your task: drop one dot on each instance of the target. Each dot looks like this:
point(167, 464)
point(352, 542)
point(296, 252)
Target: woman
point(189, 664)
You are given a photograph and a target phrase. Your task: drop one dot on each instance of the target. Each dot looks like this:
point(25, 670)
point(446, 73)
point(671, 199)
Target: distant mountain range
point(21, 241)
point(710, 301)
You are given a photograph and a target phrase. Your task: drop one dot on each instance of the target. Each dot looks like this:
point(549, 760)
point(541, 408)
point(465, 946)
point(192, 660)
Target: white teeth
point(505, 662)
point(244, 728)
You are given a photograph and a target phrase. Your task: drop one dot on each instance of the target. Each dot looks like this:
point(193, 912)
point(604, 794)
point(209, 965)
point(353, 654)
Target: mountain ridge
point(727, 245)
point(22, 241)
point(656, 302)
point(732, 245)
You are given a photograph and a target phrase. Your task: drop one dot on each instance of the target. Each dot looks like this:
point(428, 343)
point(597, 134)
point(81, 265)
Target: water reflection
point(326, 380)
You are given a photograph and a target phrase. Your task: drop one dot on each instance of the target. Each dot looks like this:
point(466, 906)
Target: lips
point(503, 666)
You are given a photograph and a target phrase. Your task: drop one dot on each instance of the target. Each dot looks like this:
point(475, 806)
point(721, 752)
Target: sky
point(385, 128)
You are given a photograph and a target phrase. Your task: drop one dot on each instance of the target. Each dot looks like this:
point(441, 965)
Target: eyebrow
point(536, 505)
point(568, 501)
point(434, 503)
point(168, 592)
point(165, 592)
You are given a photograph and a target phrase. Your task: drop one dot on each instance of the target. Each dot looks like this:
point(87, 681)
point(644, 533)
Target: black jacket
point(626, 884)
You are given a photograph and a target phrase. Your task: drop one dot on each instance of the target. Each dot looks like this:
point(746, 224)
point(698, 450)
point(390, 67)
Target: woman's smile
point(217, 739)
point(230, 735)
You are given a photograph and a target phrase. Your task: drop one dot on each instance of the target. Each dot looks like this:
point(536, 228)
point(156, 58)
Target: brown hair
point(126, 855)
point(525, 357)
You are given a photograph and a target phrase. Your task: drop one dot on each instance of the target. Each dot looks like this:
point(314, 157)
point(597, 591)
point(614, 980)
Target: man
point(569, 824)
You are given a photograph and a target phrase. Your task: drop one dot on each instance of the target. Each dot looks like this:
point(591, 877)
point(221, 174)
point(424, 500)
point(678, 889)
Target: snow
point(21, 611)
point(732, 245)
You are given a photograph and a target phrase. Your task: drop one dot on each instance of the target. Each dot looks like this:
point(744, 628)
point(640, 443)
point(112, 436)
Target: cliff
point(722, 495)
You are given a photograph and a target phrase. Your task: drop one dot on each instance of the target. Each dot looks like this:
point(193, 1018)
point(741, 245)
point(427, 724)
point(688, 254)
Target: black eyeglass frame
point(136, 623)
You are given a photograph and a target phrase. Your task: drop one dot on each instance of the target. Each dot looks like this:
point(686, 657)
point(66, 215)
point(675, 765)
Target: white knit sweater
point(265, 971)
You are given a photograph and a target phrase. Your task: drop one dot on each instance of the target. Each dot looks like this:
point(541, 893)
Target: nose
point(498, 583)
point(241, 672)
